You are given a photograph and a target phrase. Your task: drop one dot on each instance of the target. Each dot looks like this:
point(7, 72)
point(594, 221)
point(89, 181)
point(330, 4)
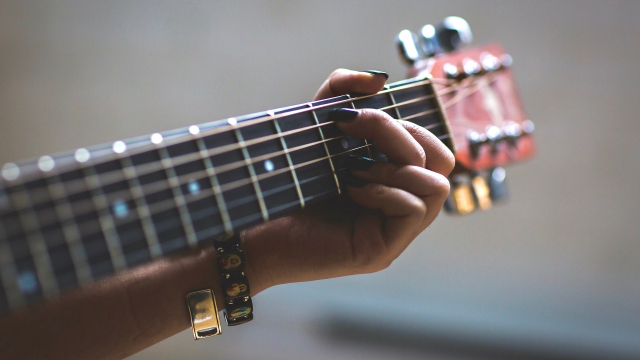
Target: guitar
point(68, 219)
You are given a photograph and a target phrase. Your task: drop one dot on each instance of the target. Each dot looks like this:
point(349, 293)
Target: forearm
point(116, 317)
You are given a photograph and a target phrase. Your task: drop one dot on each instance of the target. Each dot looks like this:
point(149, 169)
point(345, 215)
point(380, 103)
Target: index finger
point(343, 81)
point(384, 132)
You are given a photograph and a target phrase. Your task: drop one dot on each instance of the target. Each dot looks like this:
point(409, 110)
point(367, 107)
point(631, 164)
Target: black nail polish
point(358, 163)
point(376, 72)
point(353, 181)
point(343, 114)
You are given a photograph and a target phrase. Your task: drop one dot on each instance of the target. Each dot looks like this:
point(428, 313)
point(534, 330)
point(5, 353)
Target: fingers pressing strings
point(343, 81)
point(112, 178)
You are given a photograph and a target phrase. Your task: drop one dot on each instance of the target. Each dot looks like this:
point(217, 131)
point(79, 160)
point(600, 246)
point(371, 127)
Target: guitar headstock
point(485, 116)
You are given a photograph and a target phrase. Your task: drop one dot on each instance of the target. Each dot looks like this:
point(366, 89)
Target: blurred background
point(553, 274)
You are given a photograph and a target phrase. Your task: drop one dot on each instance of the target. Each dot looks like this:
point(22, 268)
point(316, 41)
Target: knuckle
point(389, 171)
point(375, 263)
point(421, 156)
point(337, 72)
point(419, 208)
point(380, 117)
point(373, 258)
point(450, 162)
point(441, 185)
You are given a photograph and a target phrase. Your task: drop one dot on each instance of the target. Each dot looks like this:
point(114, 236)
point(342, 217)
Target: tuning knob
point(452, 34)
point(497, 186)
point(408, 46)
point(428, 40)
point(461, 200)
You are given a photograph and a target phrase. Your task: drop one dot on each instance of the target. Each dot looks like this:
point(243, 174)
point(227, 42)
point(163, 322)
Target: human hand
point(388, 203)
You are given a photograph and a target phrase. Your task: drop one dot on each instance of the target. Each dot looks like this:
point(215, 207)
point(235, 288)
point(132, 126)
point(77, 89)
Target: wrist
point(256, 272)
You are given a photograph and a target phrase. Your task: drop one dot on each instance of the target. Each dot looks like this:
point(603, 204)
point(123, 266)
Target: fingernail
point(376, 72)
point(358, 163)
point(353, 181)
point(343, 114)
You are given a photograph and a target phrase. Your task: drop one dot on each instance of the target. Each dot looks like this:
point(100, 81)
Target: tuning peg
point(481, 191)
point(497, 186)
point(453, 33)
point(461, 200)
point(428, 40)
point(408, 46)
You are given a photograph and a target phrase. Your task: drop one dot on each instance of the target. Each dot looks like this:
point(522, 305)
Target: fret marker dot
point(82, 155)
point(46, 163)
point(345, 143)
point(119, 147)
point(156, 138)
point(194, 130)
point(120, 209)
point(268, 165)
point(27, 282)
point(194, 187)
point(10, 171)
point(232, 121)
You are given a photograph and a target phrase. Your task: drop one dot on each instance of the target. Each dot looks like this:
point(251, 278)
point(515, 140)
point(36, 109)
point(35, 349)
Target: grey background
point(555, 272)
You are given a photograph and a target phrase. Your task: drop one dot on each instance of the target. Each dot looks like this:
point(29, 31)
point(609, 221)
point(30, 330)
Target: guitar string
point(221, 129)
point(161, 206)
point(115, 176)
point(214, 130)
point(198, 215)
point(283, 207)
point(229, 167)
point(286, 170)
point(197, 176)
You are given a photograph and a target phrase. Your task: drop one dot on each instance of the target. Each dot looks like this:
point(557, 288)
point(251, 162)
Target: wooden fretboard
point(71, 218)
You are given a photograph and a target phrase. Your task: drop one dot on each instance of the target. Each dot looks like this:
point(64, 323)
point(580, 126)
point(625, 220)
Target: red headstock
point(482, 104)
point(487, 122)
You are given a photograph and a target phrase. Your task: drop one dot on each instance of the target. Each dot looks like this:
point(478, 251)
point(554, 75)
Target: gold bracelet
point(205, 321)
point(203, 310)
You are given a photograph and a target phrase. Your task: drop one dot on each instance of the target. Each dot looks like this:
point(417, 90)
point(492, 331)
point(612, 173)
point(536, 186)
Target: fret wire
point(247, 219)
point(71, 231)
point(107, 223)
point(218, 129)
point(290, 162)
point(217, 190)
point(328, 123)
point(213, 177)
point(417, 82)
point(326, 148)
point(252, 174)
point(178, 196)
point(407, 102)
point(37, 245)
point(9, 274)
point(393, 101)
point(365, 140)
point(142, 208)
point(320, 159)
point(100, 190)
point(186, 158)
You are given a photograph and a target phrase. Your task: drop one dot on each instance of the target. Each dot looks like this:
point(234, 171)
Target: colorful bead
point(230, 261)
point(240, 312)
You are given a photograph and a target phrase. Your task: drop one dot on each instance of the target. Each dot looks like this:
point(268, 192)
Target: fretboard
point(71, 218)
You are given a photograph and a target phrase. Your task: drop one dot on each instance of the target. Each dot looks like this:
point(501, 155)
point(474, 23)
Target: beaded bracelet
point(235, 286)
